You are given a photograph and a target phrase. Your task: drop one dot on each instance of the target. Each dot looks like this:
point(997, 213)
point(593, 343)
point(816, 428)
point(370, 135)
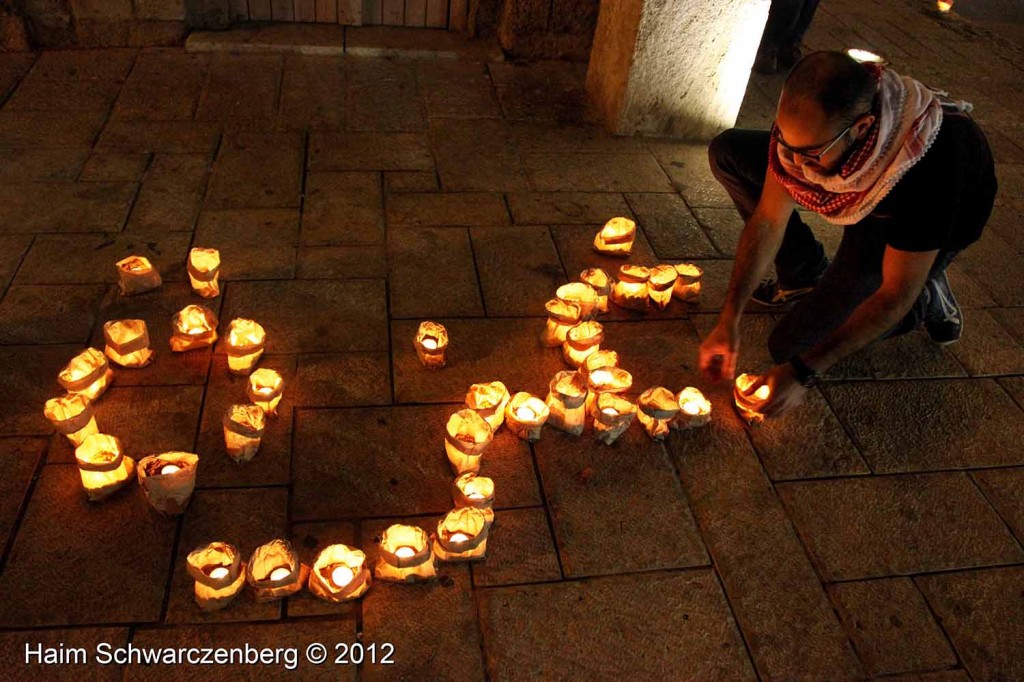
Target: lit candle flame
point(610, 411)
point(280, 573)
point(458, 537)
point(691, 408)
point(169, 469)
point(430, 343)
point(405, 552)
point(342, 575)
point(763, 392)
point(601, 377)
point(219, 573)
point(945, 5)
point(525, 414)
point(474, 495)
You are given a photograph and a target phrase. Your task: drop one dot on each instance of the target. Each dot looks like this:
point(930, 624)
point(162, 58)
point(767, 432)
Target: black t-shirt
point(944, 201)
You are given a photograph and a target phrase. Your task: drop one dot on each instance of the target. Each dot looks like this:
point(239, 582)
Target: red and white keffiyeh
point(908, 116)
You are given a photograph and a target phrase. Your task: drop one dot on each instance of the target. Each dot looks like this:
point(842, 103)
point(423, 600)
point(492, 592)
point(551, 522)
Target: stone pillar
point(673, 67)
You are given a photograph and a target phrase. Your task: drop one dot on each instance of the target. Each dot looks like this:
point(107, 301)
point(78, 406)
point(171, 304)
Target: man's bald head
point(838, 85)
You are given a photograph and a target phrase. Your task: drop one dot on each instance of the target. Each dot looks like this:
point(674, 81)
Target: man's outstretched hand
point(786, 392)
point(718, 353)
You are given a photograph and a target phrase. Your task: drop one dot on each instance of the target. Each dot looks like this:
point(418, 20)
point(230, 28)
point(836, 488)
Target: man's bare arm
point(759, 242)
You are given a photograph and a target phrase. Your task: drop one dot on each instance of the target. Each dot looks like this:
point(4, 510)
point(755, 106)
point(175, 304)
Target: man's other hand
point(718, 353)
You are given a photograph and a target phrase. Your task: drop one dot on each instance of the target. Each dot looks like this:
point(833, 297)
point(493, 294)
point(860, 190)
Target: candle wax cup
point(280, 573)
point(430, 343)
point(170, 469)
point(219, 573)
point(525, 414)
point(458, 537)
point(405, 552)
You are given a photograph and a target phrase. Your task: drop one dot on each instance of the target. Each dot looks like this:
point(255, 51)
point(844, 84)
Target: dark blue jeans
point(739, 160)
point(788, 21)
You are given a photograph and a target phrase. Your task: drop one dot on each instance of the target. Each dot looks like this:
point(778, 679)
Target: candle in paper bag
point(612, 416)
point(168, 480)
point(582, 341)
point(244, 345)
point(467, 435)
point(599, 359)
point(204, 271)
point(194, 326)
point(462, 535)
point(601, 284)
point(525, 415)
point(339, 574)
point(489, 400)
point(616, 237)
point(127, 343)
point(631, 291)
point(243, 430)
point(694, 409)
point(219, 574)
point(566, 401)
point(601, 380)
point(471, 490)
point(582, 294)
point(744, 382)
point(87, 374)
point(265, 389)
point(656, 408)
point(561, 318)
point(103, 466)
point(72, 415)
point(687, 286)
point(944, 5)
point(405, 555)
point(661, 285)
point(274, 571)
point(136, 274)
point(431, 343)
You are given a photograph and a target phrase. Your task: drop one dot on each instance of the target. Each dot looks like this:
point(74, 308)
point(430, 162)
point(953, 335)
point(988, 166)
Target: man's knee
point(721, 151)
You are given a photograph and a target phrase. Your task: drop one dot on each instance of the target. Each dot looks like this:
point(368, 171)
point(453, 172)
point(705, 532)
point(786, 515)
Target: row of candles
point(168, 478)
point(339, 573)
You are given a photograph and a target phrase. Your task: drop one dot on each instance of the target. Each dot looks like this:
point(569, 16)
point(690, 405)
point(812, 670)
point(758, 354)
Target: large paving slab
point(50, 128)
point(1004, 489)
point(670, 227)
point(257, 170)
point(432, 274)
point(342, 208)
point(147, 419)
point(311, 316)
point(457, 89)
point(918, 426)
point(479, 350)
point(779, 604)
point(20, 164)
point(163, 85)
point(560, 172)
point(342, 262)
point(312, 92)
point(18, 460)
point(891, 626)
point(391, 462)
point(983, 614)
point(101, 64)
point(245, 518)
point(13, 643)
point(369, 151)
point(30, 380)
point(242, 89)
point(433, 209)
point(618, 508)
point(88, 258)
point(868, 527)
point(12, 248)
point(383, 95)
point(520, 549)
point(272, 463)
point(38, 94)
point(516, 287)
point(342, 380)
point(606, 627)
point(275, 637)
point(987, 347)
point(139, 137)
point(36, 313)
point(253, 244)
point(64, 207)
point(576, 247)
point(61, 531)
point(476, 155)
point(688, 167)
point(566, 208)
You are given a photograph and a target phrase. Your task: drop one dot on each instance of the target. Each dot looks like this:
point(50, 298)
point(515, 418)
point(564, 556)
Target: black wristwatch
point(804, 374)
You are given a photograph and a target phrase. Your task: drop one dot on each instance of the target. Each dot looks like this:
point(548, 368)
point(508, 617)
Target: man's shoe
point(773, 293)
point(943, 318)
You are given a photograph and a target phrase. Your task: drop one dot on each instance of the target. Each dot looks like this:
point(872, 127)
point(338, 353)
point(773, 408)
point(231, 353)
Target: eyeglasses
point(808, 152)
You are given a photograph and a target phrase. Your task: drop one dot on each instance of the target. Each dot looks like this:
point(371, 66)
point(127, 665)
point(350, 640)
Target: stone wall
point(90, 23)
point(538, 29)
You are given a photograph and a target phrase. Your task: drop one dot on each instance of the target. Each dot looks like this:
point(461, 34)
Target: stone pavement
point(876, 533)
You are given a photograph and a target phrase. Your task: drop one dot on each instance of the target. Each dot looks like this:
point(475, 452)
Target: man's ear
point(861, 127)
